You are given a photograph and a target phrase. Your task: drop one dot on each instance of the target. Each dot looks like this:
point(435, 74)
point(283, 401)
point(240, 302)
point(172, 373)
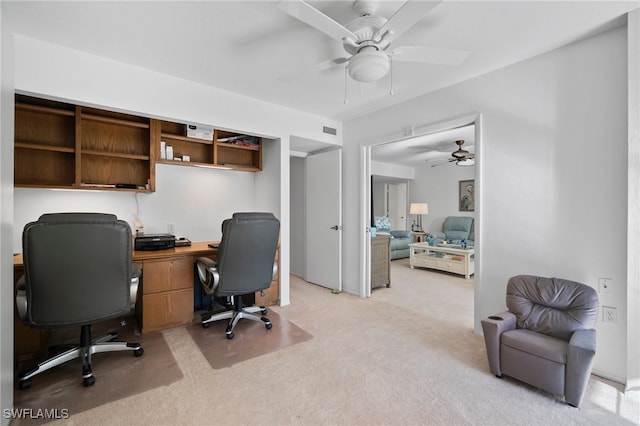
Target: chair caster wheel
point(25, 384)
point(138, 352)
point(205, 325)
point(263, 312)
point(88, 381)
point(229, 336)
point(268, 325)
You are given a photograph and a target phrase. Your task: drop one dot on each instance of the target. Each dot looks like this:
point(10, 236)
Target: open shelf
point(62, 145)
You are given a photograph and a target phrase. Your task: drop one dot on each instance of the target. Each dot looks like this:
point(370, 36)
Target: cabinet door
point(164, 310)
point(167, 275)
point(167, 287)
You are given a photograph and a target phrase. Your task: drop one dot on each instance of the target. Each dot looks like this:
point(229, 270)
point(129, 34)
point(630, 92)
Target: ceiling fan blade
point(312, 16)
point(305, 71)
point(442, 162)
point(429, 55)
point(405, 17)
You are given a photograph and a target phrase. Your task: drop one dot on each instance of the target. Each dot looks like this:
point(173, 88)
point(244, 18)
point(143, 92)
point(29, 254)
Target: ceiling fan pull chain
point(346, 100)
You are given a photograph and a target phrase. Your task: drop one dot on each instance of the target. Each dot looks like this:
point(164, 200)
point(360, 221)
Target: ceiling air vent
point(329, 130)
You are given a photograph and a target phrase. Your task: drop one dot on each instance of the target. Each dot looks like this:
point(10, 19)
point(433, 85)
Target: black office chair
point(77, 271)
point(245, 265)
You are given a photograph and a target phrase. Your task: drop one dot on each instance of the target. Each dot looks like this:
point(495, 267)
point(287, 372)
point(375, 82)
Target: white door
point(323, 242)
point(398, 206)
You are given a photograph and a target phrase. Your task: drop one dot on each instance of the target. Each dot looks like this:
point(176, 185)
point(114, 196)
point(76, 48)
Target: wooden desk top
point(195, 249)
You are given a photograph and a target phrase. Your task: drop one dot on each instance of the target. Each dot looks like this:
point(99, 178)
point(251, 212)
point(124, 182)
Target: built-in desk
point(165, 298)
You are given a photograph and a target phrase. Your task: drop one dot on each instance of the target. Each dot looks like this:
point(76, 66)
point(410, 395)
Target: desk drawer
point(167, 274)
point(169, 309)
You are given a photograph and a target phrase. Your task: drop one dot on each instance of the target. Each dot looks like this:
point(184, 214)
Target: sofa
point(400, 240)
point(455, 228)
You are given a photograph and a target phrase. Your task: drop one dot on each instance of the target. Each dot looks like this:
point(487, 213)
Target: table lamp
point(419, 209)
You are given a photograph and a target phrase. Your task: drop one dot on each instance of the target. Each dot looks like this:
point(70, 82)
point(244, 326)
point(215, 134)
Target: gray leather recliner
point(78, 271)
point(547, 337)
point(245, 264)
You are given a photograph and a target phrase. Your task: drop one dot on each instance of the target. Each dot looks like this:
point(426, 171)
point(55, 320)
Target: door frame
point(365, 203)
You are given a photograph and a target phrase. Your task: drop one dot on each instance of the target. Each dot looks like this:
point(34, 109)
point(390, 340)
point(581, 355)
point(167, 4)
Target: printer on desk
point(154, 242)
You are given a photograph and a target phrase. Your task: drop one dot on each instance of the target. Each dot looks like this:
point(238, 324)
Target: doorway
point(437, 214)
point(390, 200)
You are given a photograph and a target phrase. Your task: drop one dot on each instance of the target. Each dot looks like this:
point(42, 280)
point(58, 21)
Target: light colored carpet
point(252, 339)
point(406, 356)
point(61, 387)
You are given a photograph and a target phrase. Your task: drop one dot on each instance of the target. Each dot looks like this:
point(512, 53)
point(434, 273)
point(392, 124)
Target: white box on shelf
point(200, 132)
point(163, 150)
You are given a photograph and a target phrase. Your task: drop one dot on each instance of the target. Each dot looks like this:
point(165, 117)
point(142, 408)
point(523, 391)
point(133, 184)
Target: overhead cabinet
point(225, 149)
point(61, 145)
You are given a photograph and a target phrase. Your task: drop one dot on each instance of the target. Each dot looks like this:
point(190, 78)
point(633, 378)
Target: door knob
point(335, 228)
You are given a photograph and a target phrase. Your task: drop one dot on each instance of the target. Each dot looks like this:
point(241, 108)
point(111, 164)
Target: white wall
point(553, 174)
point(633, 206)
point(53, 71)
point(195, 200)
point(438, 186)
point(379, 168)
point(298, 227)
point(6, 215)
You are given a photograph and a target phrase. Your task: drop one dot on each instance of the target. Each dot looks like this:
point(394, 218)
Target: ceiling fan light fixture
point(368, 66)
point(466, 162)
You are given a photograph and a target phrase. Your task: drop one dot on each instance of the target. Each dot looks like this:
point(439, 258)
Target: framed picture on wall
point(466, 199)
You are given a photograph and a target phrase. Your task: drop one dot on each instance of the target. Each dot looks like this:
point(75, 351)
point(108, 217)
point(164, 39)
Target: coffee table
point(449, 258)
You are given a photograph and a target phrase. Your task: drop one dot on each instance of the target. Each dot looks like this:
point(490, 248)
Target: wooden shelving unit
point(61, 145)
point(212, 153)
point(44, 143)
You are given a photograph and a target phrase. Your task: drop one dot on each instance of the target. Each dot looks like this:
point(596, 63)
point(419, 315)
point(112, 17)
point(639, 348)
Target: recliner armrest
point(580, 358)
point(438, 235)
point(402, 234)
point(492, 328)
point(208, 274)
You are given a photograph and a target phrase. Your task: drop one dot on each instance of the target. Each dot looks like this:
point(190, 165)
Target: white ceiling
point(251, 47)
point(430, 150)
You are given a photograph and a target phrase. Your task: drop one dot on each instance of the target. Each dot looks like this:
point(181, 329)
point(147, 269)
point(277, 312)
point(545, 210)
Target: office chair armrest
point(492, 328)
point(21, 298)
point(208, 273)
point(136, 272)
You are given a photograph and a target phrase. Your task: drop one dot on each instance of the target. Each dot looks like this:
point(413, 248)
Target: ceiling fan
point(369, 39)
point(460, 156)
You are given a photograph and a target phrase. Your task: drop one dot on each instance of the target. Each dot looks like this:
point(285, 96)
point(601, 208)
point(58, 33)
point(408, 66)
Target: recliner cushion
point(552, 306)
point(537, 344)
point(457, 227)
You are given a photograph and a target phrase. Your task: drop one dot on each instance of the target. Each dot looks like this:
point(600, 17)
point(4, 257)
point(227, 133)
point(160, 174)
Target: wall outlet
point(171, 229)
point(609, 315)
point(605, 286)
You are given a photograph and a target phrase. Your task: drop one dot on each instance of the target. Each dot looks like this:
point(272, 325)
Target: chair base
point(84, 351)
point(235, 314)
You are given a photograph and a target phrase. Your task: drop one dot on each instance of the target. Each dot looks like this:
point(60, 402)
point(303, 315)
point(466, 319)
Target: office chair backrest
point(247, 252)
point(77, 268)
point(552, 306)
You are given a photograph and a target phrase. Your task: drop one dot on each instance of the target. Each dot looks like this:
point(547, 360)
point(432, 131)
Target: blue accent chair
point(456, 228)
